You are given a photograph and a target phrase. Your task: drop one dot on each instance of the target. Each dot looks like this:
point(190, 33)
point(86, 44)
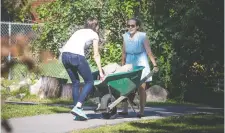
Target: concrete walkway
point(64, 123)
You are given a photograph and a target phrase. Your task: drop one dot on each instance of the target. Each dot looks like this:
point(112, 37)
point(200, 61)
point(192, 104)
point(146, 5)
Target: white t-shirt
point(78, 40)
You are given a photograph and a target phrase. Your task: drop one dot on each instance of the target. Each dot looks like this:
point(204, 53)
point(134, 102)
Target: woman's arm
point(149, 52)
point(123, 55)
point(97, 57)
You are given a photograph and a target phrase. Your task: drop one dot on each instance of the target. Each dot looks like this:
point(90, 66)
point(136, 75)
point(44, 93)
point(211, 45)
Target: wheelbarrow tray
point(119, 84)
point(116, 88)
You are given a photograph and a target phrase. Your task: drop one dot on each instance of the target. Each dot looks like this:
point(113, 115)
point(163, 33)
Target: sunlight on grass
point(198, 123)
point(35, 99)
point(11, 111)
point(32, 98)
point(170, 102)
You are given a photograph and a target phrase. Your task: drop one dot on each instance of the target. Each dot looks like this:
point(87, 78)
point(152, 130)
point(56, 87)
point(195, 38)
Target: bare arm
point(97, 57)
point(123, 55)
point(149, 52)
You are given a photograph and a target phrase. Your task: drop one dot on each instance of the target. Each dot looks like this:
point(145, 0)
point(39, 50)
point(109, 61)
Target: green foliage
point(193, 29)
point(160, 45)
point(19, 71)
point(65, 17)
point(6, 82)
point(54, 69)
point(185, 36)
point(20, 10)
point(113, 17)
point(61, 21)
point(111, 52)
point(5, 93)
point(25, 90)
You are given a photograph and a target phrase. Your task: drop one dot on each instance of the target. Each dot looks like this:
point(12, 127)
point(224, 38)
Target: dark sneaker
point(78, 118)
point(139, 115)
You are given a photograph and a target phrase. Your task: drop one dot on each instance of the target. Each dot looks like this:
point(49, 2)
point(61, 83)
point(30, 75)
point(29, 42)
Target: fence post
point(9, 57)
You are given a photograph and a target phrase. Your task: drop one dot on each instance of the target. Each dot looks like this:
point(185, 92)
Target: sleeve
point(95, 36)
point(143, 37)
point(124, 36)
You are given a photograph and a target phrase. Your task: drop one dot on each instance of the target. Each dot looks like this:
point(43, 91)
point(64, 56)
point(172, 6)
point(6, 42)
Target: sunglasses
point(132, 26)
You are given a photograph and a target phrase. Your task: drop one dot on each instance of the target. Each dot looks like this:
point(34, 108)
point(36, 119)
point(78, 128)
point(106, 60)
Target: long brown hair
point(91, 23)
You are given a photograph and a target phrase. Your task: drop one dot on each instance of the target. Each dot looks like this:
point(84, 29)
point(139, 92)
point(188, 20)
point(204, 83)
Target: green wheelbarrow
point(116, 88)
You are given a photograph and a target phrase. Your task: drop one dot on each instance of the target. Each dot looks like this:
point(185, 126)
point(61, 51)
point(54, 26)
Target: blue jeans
point(75, 64)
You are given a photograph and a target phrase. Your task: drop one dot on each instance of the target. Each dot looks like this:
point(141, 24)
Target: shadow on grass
point(198, 123)
point(56, 110)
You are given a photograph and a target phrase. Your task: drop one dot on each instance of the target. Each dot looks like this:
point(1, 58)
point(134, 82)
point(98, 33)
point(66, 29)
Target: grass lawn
point(15, 110)
point(35, 99)
point(12, 110)
point(21, 110)
point(197, 123)
point(170, 102)
point(32, 98)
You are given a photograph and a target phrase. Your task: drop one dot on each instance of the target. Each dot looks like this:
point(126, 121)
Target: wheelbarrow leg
point(121, 98)
point(137, 102)
point(129, 102)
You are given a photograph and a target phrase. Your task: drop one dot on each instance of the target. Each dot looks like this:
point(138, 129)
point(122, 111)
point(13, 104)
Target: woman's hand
point(155, 69)
point(102, 76)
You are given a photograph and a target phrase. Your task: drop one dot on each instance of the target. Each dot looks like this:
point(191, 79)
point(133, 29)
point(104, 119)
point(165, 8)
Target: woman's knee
point(89, 82)
point(143, 86)
point(75, 82)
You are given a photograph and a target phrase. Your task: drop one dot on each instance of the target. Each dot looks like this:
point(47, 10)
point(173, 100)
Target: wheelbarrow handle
point(148, 76)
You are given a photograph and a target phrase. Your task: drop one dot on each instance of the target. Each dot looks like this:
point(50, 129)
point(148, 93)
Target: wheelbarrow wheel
point(105, 101)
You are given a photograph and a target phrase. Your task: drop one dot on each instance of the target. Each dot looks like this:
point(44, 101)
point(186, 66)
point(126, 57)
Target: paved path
point(64, 123)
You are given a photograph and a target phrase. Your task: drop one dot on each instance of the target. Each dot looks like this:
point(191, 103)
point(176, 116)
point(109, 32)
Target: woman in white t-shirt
point(75, 63)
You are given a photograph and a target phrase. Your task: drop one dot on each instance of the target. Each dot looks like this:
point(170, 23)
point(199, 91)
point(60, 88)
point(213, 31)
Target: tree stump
point(67, 90)
point(51, 87)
